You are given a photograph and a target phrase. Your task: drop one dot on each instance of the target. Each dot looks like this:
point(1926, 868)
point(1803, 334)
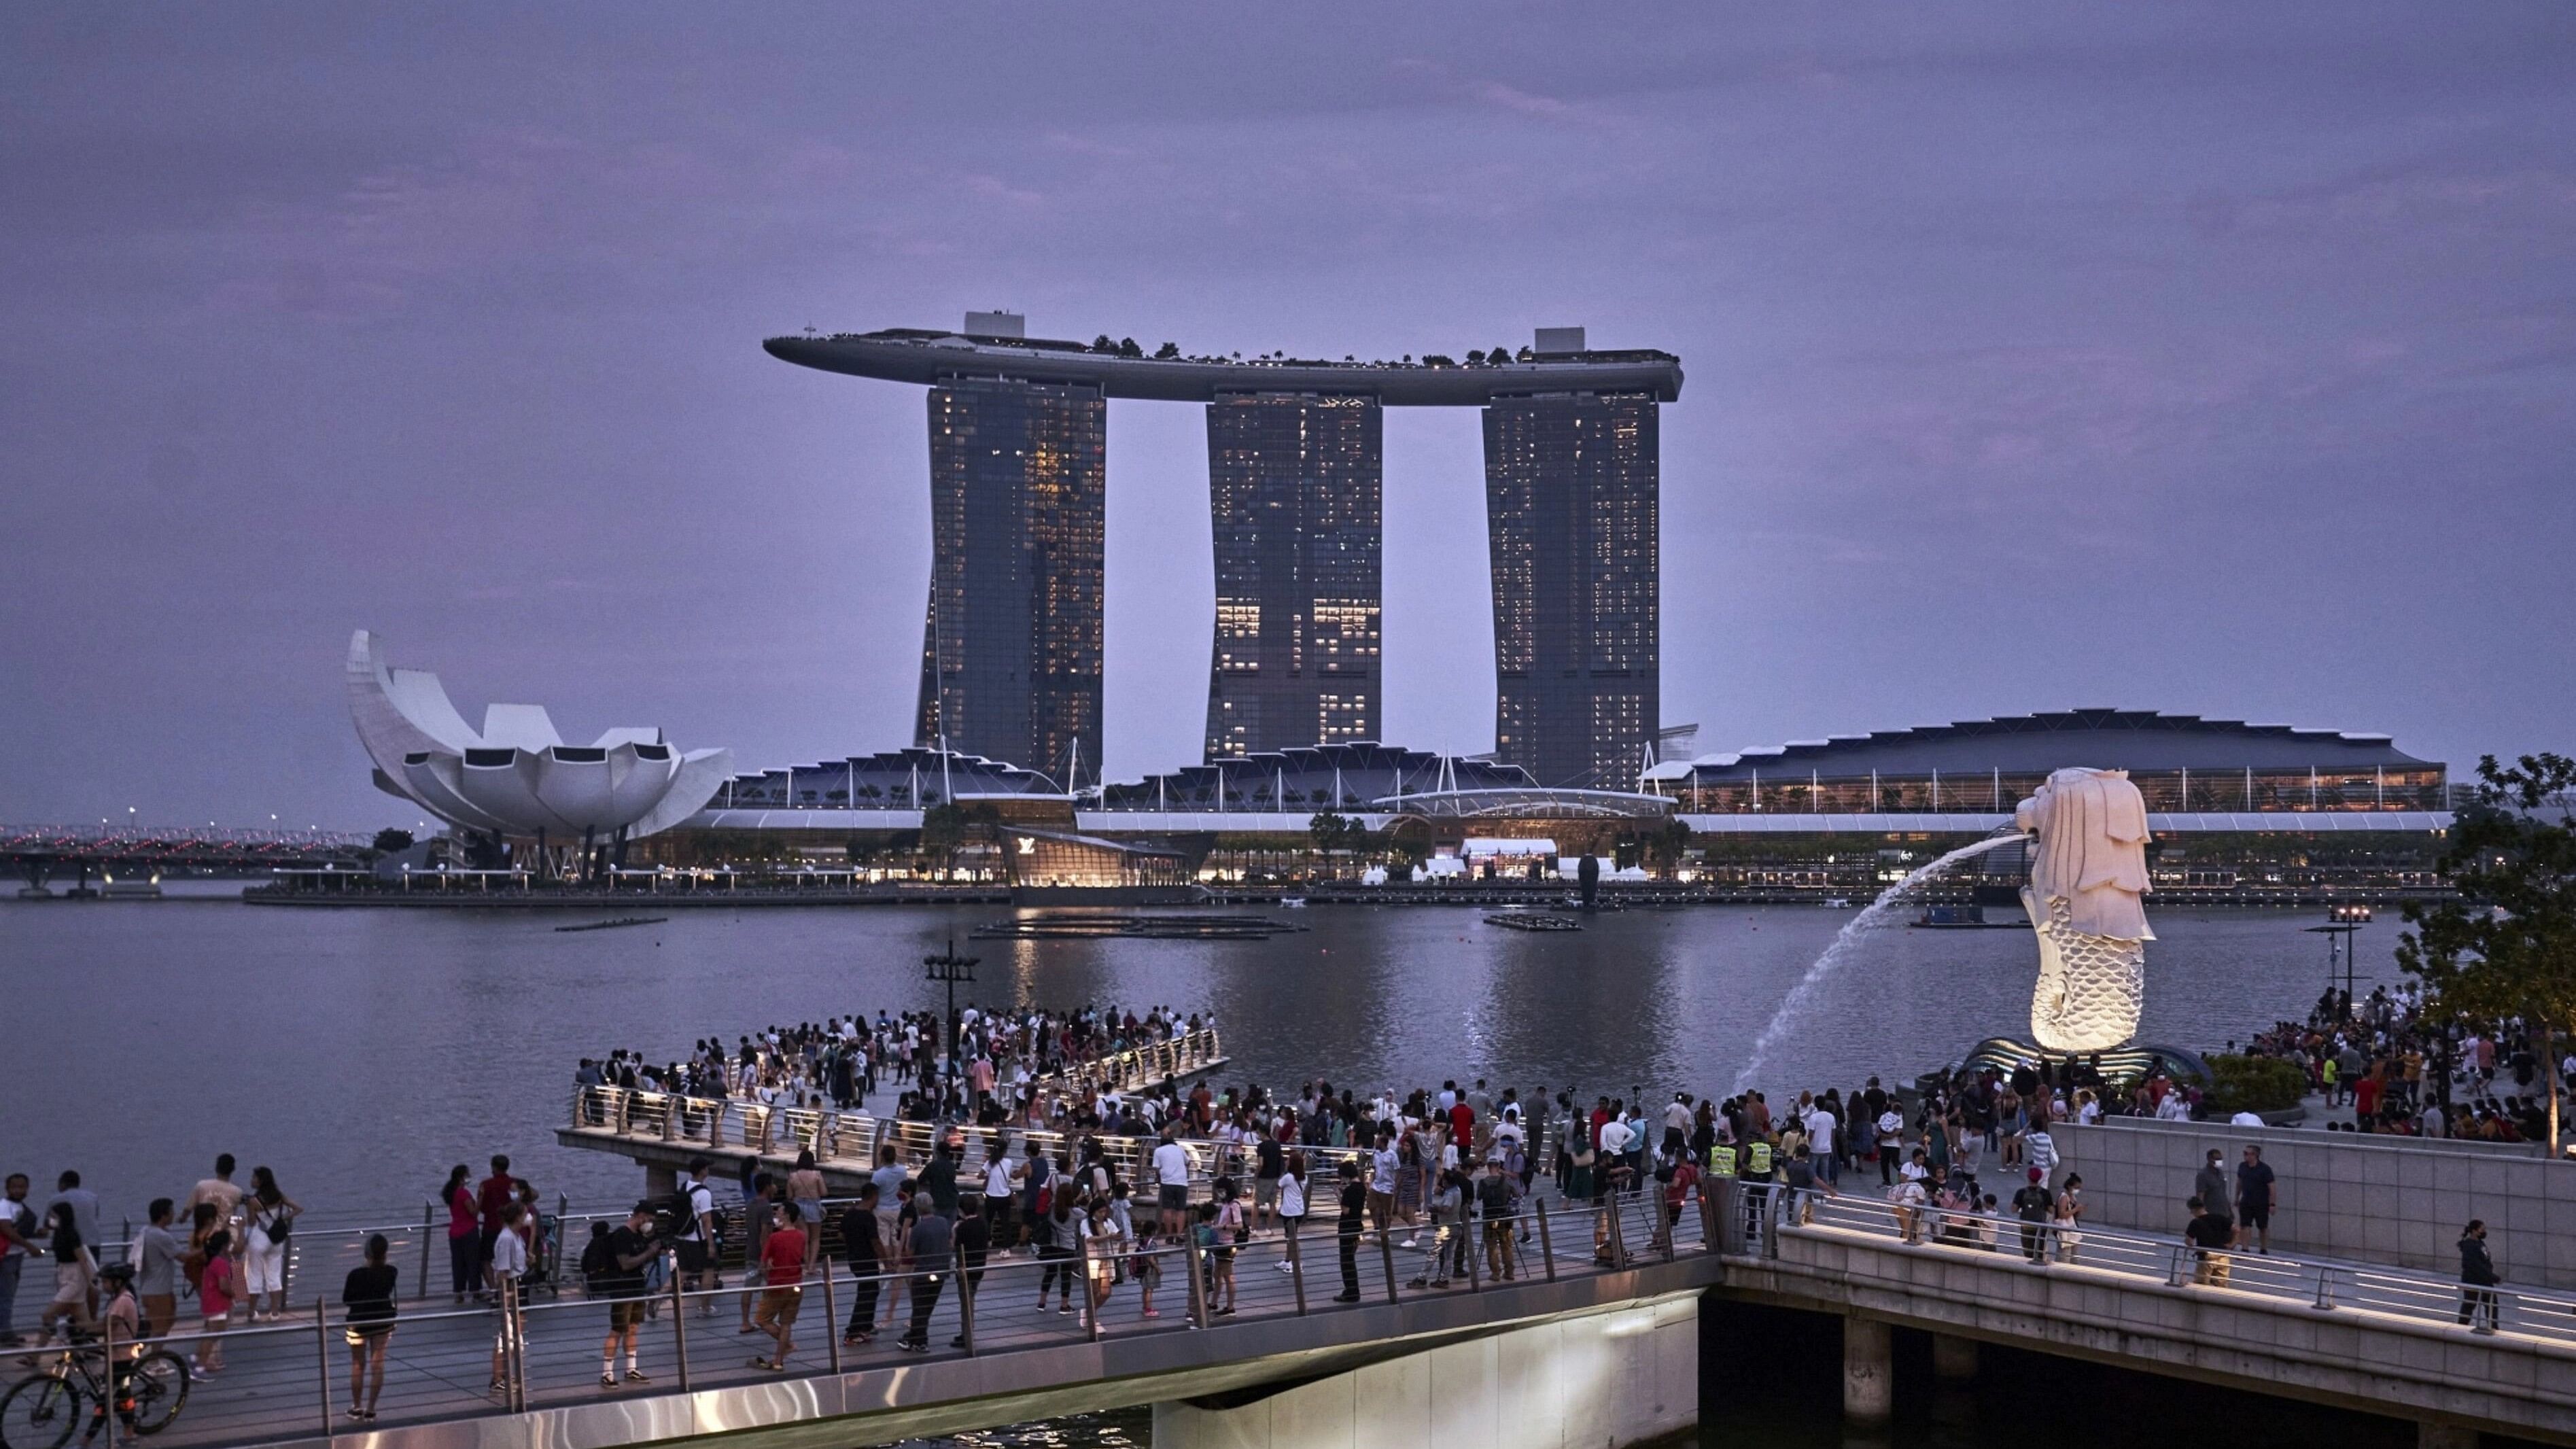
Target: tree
point(2506, 945)
point(1168, 351)
point(1663, 846)
point(1499, 356)
point(1476, 357)
point(946, 827)
point(1331, 832)
point(389, 840)
point(1102, 343)
point(1127, 348)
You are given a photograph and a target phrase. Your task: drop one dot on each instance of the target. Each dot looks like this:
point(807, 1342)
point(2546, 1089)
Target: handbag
point(280, 1222)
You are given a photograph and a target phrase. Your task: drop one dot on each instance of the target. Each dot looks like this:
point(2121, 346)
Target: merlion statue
point(2088, 871)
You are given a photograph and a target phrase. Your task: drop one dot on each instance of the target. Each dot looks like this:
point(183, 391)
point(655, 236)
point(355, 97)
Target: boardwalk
point(288, 1382)
point(664, 1129)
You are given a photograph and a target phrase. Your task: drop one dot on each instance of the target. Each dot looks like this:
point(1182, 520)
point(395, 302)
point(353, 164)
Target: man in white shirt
point(1381, 1183)
point(1615, 1137)
point(1820, 1143)
point(696, 1238)
point(1172, 1179)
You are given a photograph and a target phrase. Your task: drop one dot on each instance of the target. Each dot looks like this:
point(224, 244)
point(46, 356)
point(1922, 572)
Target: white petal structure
point(516, 775)
point(2088, 878)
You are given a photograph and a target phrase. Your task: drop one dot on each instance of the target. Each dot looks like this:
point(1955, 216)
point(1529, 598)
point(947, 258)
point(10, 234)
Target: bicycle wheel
point(158, 1386)
point(39, 1413)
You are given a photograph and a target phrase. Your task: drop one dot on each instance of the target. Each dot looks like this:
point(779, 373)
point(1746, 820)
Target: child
point(216, 1284)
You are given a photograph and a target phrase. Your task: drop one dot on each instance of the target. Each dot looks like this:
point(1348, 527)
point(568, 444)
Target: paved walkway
point(285, 1381)
point(439, 1364)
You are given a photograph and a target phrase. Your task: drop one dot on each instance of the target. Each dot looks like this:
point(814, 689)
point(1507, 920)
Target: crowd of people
point(1107, 1190)
point(224, 1247)
point(2404, 1074)
point(1001, 1062)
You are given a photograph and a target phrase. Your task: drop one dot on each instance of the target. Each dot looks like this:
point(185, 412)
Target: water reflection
point(360, 1052)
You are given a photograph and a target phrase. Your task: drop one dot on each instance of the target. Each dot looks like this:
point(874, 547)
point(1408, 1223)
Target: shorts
point(625, 1313)
point(779, 1306)
point(264, 1267)
point(360, 1335)
point(2253, 1216)
point(693, 1256)
point(71, 1287)
point(1265, 1191)
point(1174, 1199)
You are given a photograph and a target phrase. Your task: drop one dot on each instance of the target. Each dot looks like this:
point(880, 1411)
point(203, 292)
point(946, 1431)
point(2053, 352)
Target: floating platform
point(613, 925)
point(1533, 921)
point(1106, 925)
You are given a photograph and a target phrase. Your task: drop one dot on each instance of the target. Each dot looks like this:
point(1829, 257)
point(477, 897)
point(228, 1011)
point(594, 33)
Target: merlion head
point(2088, 877)
point(2089, 848)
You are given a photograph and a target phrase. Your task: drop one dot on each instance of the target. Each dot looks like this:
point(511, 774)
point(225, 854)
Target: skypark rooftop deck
point(919, 355)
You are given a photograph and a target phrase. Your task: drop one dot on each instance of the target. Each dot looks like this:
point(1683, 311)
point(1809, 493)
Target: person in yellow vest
point(1756, 1177)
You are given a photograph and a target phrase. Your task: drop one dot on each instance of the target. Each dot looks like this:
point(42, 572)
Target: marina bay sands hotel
point(1011, 645)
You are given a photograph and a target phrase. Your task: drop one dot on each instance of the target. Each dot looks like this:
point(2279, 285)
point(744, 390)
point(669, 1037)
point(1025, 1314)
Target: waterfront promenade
point(2354, 1333)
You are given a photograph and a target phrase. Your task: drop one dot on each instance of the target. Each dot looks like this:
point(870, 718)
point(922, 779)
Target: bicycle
point(72, 1389)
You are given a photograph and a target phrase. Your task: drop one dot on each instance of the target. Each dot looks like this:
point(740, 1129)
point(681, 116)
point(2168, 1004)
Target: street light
point(2341, 922)
point(950, 968)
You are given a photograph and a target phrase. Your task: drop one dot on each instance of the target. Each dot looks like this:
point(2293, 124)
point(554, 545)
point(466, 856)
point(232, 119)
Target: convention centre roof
point(2109, 739)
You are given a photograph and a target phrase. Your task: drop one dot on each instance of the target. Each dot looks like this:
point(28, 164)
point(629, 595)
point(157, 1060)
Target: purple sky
point(2212, 360)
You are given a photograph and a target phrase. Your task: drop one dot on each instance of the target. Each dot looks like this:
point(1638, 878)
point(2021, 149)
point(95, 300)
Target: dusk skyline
point(2192, 359)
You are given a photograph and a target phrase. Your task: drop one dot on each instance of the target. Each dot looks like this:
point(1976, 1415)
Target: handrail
point(548, 1351)
point(2322, 1286)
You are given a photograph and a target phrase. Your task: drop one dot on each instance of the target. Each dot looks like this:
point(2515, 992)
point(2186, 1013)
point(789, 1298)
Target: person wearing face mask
point(2068, 1215)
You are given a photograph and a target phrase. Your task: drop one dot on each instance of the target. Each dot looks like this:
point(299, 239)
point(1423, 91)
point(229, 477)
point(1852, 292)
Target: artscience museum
point(515, 777)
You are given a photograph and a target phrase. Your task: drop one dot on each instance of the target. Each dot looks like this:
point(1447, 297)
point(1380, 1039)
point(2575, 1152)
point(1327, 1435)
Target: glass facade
point(1311, 778)
point(1293, 497)
point(1789, 790)
point(1571, 487)
point(910, 779)
point(1011, 644)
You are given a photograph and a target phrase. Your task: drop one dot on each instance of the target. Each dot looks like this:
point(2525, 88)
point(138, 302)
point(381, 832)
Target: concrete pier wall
point(1600, 1380)
point(2343, 1194)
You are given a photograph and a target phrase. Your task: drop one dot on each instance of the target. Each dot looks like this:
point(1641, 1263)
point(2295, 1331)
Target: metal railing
point(2419, 1298)
point(290, 1378)
point(1137, 1067)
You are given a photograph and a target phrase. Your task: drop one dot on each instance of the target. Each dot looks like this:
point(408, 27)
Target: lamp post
point(949, 968)
point(2341, 923)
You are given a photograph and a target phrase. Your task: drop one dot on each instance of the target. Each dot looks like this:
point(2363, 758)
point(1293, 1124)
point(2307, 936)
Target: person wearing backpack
point(613, 1268)
point(272, 1214)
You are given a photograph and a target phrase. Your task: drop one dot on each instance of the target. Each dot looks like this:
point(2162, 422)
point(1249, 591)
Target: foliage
point(1663, 847)
point(1331, 832)
point(1168, 351)
point(2254, 1084)
point(2506, 945)
point(946, 827)
point(389, 840)
point(1438, 359)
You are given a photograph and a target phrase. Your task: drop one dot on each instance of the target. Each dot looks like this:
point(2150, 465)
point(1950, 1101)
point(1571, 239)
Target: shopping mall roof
point(2109, 739)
